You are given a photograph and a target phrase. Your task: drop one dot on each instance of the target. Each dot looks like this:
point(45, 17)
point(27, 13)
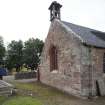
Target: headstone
point(5, 88)
point(101, 86)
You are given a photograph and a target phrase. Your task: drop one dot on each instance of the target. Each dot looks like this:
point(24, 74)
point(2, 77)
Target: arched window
point(53, 58)
point(104, 63)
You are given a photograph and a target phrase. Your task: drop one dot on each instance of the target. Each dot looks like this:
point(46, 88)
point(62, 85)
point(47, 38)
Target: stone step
point(5, 88)
point(6, 92)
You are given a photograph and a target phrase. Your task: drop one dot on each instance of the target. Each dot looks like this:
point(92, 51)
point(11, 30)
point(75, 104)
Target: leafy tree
point(2, 51)
point(32, 51)
point(15, 55)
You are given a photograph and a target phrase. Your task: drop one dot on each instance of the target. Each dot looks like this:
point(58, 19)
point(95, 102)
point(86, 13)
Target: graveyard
point(36, 93)
point(68, 68)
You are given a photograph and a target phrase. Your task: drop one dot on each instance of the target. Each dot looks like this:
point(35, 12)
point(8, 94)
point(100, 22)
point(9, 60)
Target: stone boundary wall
point(25, 75)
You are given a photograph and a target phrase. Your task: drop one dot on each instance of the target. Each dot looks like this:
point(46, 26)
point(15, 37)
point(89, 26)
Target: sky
point(24, 19)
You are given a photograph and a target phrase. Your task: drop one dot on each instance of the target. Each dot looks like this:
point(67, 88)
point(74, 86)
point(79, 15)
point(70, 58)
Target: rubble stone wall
point(68, 75)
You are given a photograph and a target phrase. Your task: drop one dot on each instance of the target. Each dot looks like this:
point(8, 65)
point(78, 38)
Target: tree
point(32, 51)
point(15, 55)
point(2, 51)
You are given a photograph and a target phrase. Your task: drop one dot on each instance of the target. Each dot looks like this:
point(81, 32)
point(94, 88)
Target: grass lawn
point(36, 93)
point(19, 100)
point(51, 96)
point(2, 99)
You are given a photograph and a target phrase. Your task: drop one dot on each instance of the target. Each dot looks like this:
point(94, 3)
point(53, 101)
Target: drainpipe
point(90, 73)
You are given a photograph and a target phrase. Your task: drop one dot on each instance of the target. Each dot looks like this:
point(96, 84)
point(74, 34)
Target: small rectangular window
point(53, 58)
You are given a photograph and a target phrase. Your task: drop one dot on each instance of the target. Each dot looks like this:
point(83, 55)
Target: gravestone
point(5, 88)
point(101, 86)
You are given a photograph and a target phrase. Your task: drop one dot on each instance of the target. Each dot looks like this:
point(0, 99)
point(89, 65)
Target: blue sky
point(22, 19)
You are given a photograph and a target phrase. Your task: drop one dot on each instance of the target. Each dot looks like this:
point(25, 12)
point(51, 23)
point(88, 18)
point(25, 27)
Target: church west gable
point(66, 74)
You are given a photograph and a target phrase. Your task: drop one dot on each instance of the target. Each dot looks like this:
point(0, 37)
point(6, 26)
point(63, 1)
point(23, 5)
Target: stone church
point(73, 58)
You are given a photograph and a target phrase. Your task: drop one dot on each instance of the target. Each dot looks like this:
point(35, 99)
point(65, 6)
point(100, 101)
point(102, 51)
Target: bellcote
point(55, 10)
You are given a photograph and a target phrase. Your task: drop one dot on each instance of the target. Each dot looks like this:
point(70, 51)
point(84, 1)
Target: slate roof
point(90, 36)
